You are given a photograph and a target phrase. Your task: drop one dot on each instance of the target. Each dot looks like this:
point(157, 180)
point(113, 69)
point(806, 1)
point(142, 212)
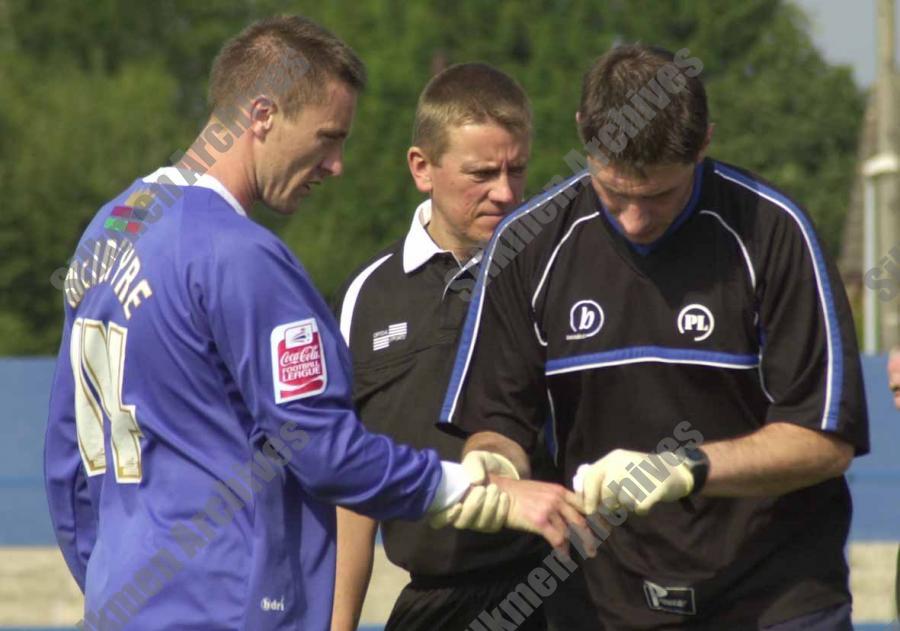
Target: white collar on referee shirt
point(419, 247)
point(177, 177)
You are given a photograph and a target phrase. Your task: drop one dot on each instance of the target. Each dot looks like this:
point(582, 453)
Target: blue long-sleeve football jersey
point(201, 425)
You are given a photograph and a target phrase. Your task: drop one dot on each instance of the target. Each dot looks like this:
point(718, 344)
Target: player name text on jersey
point(114, 262)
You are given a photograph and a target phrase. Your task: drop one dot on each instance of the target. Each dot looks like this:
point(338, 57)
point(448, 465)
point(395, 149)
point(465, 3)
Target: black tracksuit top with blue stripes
point(735, 318)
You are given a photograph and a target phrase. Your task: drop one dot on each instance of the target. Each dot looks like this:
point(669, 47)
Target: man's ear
point(262, 113)
point(420, 168)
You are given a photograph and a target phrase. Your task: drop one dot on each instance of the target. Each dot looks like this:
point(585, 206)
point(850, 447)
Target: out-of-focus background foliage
point(94, 94)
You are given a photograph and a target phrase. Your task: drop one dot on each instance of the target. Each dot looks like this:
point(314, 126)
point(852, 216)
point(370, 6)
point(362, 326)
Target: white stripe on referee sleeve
point(740, 243)
point(550, 262)
point(352, 295)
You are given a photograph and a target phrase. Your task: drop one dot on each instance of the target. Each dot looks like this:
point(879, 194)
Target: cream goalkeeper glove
point(636, 481)
point(478, 464)
point(484, 507)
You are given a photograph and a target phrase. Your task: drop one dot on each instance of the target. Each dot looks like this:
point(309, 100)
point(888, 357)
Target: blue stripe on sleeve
point(835, 367)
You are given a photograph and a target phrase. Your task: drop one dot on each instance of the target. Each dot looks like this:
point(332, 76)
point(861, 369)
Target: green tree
point(68, 143)
point(97, 94)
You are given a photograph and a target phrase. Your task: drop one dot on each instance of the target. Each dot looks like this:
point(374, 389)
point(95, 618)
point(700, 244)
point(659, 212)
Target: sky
point(844, 30)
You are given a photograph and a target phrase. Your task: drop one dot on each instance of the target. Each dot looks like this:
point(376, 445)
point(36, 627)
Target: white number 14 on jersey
point(97, 351)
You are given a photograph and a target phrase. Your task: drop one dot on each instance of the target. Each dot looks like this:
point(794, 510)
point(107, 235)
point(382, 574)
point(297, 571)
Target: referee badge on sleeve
point(298, 361)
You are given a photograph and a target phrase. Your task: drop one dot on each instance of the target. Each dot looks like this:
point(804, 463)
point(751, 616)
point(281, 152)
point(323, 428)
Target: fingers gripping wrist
point(483, 509)
point(484, 506)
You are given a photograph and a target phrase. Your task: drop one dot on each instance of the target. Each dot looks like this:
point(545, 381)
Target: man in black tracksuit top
point(401, 315)
point(693, 341)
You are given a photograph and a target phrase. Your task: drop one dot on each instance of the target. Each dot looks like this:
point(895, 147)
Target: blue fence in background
point(24, 397)
point(25, 386)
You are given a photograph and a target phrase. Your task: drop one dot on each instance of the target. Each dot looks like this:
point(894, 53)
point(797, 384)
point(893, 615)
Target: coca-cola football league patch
point(298, 361)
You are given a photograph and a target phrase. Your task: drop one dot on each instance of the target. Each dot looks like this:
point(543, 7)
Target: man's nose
point(502, 192)
point(333, 164)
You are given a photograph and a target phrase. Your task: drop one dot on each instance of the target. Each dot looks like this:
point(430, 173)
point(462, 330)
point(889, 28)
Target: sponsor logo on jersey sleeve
point(696, 321)
point(585, 319)
point(298, 361)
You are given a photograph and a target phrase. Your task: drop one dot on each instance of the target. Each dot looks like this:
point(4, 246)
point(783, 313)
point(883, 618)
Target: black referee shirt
point(401, 316)
point(734, 318)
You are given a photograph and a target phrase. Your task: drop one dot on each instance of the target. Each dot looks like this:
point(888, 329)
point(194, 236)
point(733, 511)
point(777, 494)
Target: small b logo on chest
point(697, 321)
point(585, 319)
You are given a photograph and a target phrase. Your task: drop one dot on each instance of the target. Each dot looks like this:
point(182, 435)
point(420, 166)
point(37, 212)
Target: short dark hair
point(291, 59)
point(642, 105)
point(464, 94)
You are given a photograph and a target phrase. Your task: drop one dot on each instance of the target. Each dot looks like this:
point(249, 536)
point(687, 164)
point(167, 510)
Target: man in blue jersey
point(201, 425)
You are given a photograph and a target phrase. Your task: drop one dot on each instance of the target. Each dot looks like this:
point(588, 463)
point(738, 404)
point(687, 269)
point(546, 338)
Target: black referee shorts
point(486, 601)
point(458, 608)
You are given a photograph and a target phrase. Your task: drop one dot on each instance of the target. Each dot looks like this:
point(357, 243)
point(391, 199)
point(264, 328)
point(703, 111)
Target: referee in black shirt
point(694, 341)
point(401, 315)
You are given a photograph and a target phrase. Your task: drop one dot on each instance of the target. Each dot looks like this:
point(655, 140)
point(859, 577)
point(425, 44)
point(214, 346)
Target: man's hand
point(484, 507)
point(541, 508)
point(603, 481)
point(499, 444)
point(545, 509)
point(479, 464)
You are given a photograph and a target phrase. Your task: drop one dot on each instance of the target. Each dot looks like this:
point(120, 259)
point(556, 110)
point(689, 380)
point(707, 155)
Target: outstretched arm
point(355, 553)
point(774, 460)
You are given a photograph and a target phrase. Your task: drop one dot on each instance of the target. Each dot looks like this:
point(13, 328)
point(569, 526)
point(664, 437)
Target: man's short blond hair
point(467, 94)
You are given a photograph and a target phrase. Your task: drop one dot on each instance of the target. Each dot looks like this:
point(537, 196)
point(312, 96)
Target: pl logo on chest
point(298, 361)
point(585, 319)
point(696, 321)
